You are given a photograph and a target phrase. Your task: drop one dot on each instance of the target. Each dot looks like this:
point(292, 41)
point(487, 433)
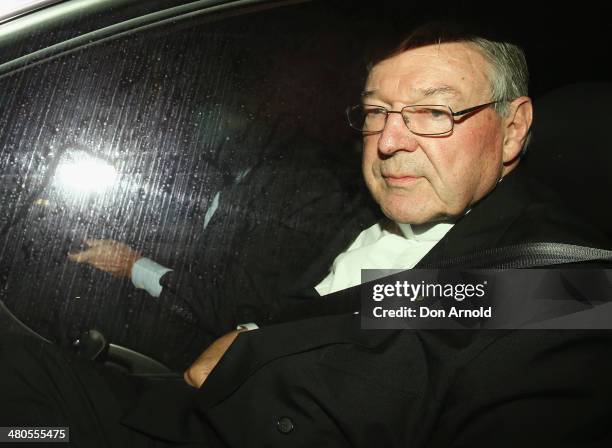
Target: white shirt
point(146, 274)
point(385, 245)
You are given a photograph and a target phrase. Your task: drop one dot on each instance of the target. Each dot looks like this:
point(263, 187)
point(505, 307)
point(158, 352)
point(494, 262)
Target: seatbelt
point(519, 256)
point(529, 255)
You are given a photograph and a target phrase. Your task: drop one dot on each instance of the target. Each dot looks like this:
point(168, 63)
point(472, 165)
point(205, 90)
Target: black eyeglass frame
point(453, 114)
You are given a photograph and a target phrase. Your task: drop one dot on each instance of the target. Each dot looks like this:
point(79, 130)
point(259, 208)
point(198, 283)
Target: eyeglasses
point(420, 119)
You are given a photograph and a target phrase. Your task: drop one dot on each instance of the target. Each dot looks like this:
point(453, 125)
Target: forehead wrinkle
point(408, 90)
point(442, 60)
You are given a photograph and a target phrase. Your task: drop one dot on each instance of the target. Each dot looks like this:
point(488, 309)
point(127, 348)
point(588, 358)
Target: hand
point(201, 367)
point(109, 256)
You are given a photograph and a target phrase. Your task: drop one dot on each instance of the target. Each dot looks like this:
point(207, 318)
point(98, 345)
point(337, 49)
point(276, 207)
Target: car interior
point(211, 137)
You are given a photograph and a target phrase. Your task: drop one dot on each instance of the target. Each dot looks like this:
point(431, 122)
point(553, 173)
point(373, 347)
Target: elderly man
point(444, 120)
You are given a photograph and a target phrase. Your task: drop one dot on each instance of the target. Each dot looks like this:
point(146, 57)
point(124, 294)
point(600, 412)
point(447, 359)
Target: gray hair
point(508, 75)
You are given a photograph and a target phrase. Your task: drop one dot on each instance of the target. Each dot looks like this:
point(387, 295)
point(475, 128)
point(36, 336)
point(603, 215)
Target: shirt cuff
point(146, 275)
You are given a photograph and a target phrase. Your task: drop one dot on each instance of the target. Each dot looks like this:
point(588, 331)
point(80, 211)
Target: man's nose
point(396, 136)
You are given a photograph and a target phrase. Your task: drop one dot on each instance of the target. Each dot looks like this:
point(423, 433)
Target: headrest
point(571, 148)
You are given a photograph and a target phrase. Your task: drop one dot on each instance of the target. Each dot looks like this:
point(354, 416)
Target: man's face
point(417, 179)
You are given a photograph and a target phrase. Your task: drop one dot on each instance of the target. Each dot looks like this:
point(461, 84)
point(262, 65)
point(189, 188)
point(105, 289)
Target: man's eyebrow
point(439, 90)
point(424, 93)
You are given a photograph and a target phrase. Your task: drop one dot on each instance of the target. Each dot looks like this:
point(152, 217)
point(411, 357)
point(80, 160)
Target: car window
point(151, 138)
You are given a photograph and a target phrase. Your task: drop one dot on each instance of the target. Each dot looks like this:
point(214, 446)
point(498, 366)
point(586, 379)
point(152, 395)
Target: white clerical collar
point(431, 231)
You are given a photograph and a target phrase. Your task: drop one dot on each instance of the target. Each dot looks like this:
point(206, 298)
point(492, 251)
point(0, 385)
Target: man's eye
point(375, 111)
point(434, 114)
point(437, 113)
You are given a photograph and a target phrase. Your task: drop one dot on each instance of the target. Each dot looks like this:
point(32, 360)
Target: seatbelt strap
point(529, 255)
point(520, 256)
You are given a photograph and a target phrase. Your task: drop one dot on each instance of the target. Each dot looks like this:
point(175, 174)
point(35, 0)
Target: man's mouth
point(399, 180)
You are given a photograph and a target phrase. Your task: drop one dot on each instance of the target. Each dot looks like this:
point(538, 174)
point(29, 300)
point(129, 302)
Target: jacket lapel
point(485, 224)
point(359, 218)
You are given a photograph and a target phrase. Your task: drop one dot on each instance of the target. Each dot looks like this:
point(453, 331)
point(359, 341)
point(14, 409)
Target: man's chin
point(415, 215)
point(411, 216)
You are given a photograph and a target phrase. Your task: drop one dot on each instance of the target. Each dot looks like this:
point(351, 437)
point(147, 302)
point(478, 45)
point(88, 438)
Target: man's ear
point(516, 124)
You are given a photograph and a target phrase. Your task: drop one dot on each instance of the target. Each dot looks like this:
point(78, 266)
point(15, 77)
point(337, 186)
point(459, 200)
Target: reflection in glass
point(80, 173)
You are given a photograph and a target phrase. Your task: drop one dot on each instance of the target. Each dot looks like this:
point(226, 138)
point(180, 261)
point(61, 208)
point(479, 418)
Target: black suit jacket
point(325, 382)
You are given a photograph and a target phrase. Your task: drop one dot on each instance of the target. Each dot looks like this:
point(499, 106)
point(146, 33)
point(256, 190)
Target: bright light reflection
point(82, 173)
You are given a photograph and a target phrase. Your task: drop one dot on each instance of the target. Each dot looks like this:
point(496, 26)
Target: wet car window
point(150, 140)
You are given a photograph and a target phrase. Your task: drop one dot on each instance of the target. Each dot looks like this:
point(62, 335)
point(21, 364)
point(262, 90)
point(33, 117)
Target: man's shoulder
point(520, 210)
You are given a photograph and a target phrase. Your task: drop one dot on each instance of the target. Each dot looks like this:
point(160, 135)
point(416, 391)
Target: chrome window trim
point(118, 30)
point(7, 15)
